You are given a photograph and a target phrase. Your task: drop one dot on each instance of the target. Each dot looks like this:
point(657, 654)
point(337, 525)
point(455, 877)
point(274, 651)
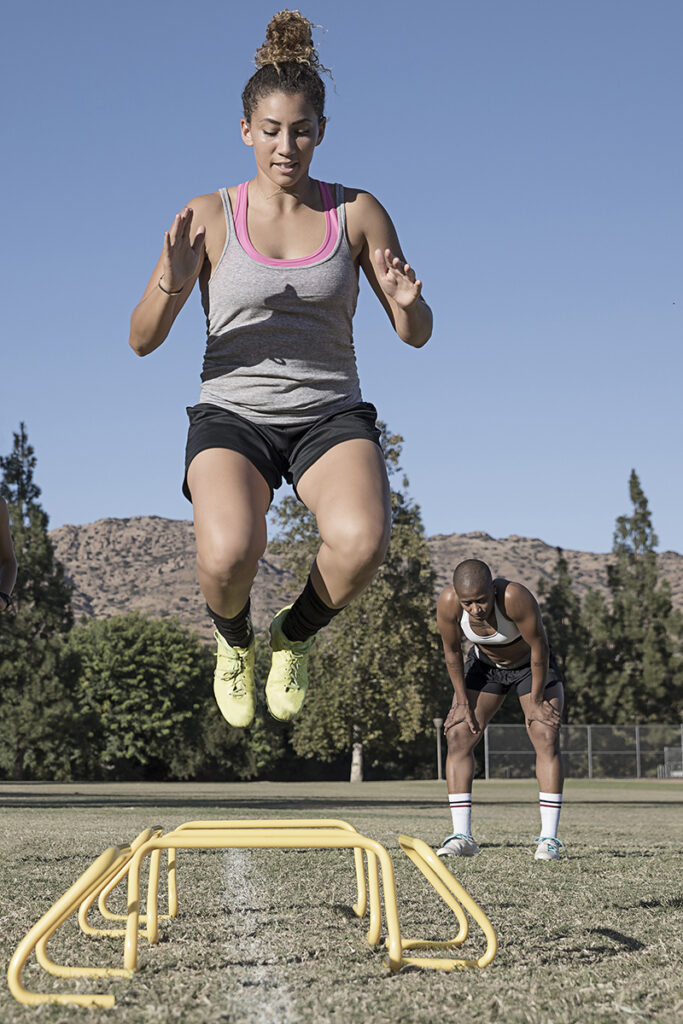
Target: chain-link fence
point(590, 751)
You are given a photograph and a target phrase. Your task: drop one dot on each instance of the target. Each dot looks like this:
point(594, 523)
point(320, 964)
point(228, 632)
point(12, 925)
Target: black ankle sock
point(307, 615)
point(237, 631)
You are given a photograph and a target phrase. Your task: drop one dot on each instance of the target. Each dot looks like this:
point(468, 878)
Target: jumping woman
point(277, 259)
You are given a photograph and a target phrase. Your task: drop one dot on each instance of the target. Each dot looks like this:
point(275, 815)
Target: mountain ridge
point(147, 564)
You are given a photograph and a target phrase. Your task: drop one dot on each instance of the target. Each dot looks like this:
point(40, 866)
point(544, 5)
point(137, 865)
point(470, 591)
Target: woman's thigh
point(539, 734)
point(230, 499)
point(347, 489)
point(484, 706)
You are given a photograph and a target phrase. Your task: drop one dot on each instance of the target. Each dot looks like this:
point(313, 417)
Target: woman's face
point(284, 131)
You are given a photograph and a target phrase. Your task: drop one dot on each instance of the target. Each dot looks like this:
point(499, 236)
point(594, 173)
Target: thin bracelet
point(165, 290)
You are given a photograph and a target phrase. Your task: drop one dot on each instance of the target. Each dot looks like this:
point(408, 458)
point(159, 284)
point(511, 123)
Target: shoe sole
point(464, 853)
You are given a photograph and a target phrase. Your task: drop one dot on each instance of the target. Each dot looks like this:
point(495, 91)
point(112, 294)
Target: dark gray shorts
point(479, 675)
point(277, 452)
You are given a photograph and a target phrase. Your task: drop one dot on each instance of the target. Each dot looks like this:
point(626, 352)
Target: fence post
point(589, 747)
point(486, 750)
point(637, 751)
point(438, 722)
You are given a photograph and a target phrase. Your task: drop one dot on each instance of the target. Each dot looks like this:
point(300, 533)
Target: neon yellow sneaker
point(233, 682)
point(288, 676)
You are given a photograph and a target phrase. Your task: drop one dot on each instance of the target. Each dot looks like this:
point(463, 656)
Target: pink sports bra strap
point(325, 250)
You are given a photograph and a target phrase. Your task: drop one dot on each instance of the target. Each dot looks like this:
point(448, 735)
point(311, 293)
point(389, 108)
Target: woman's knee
point(228, 561)
point(360, 546)
point(545, 740)
point(460, 740)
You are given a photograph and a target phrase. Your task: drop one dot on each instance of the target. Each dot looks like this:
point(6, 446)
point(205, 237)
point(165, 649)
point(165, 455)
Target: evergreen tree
point(37, 722)
point(377, 678)
point(644, 681)
point(567, 633)
point(561, 614)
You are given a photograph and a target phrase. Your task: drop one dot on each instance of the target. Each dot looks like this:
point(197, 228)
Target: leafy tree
point(140, 689)
point(145, 701)
point(376, 671)
point(37, 724)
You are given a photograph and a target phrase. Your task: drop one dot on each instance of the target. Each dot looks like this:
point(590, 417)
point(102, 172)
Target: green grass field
point(268, 936)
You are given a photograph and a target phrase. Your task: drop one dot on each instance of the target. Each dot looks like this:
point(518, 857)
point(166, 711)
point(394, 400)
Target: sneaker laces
point(233, 676)
point(293, 662)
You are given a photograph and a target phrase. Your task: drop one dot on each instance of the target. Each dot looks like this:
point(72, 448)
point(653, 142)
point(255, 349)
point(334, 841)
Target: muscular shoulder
point(365, 215)
point(517, 601)
point(447, 606)
point(207, 210)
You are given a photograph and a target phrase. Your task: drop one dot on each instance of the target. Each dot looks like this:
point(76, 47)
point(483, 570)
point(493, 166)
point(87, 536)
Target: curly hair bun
point(289, 39)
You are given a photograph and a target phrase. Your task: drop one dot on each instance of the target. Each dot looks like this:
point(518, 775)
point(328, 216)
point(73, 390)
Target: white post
point(589, 746)
point(438, 723)
point(637, 751)
point(486, 751)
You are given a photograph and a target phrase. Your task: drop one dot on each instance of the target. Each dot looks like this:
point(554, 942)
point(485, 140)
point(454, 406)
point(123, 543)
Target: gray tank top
point(279, 345)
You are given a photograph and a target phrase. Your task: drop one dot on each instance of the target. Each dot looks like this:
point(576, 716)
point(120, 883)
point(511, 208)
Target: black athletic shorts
point(277, 452)
point(479, 675)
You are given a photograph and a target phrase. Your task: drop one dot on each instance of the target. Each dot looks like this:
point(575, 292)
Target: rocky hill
point(148, 564)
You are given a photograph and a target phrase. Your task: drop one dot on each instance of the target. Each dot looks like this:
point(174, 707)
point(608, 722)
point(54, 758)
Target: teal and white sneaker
point(549, 848)
point(458, 845)
point(288, 677)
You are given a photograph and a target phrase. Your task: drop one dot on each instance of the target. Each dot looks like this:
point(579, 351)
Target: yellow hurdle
point(453, 894)
point(100, 895)
point(97, 875)
point(272, 838)
point(359, 908)
point(117, 865)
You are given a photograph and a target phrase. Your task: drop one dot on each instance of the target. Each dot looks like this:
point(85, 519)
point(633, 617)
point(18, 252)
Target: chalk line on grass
point(258, 990)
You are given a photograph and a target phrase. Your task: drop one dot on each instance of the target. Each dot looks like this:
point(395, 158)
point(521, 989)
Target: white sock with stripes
point(550, 805)
point(461, 812)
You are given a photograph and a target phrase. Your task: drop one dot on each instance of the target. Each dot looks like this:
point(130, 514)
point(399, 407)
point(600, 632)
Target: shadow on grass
point(672, 903)
point(625, 941)
point(42, 801)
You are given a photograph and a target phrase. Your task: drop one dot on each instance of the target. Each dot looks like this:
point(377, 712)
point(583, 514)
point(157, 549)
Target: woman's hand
point(460, 713)
point(180, 259)
point(397, 279)
point(544, 712)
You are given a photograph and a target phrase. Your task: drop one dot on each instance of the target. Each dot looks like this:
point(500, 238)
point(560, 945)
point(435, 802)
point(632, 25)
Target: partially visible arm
point(177, 269)
point(375, 244)
point(522, 608)
point(8, 561)
point(448, 612)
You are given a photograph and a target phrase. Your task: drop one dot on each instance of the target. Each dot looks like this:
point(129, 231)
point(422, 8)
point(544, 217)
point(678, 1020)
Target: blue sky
point(531, 156)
